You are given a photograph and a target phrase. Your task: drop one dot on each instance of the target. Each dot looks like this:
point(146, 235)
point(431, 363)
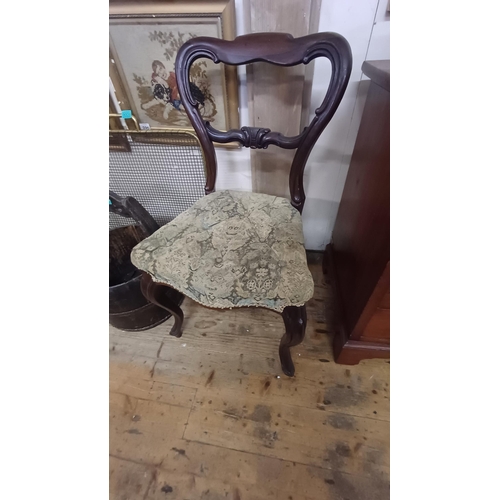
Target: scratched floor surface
point(210, 415)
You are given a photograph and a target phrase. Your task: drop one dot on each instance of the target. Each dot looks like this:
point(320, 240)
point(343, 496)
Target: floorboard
point(211, 416)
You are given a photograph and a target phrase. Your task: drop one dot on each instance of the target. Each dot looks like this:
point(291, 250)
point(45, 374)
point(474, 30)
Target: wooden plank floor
point(211, 416)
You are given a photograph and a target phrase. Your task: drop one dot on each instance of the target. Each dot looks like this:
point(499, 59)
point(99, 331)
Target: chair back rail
point(275, 48)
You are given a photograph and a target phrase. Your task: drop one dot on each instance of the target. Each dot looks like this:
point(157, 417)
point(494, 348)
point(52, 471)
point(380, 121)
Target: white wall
point(365, 24)
point(328, 164)
point(379, 42)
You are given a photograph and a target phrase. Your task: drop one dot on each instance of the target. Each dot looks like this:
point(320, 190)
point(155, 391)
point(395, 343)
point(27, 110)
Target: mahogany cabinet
point(356, 261)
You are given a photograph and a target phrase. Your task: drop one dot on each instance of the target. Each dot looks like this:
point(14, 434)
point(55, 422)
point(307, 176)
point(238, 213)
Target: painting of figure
point(144, 52)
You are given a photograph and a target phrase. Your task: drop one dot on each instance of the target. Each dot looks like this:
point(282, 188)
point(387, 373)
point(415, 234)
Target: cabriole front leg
point(295, 320)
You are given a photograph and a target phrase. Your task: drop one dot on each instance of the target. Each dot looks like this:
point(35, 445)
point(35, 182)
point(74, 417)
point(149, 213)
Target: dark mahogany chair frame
point(283, 50)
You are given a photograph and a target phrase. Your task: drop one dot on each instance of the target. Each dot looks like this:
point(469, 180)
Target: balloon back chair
point(239, 249)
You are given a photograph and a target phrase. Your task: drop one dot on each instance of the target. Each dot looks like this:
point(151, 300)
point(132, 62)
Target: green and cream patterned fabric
point(232, 249)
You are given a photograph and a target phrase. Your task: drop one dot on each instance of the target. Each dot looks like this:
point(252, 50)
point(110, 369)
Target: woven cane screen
point(164, 172)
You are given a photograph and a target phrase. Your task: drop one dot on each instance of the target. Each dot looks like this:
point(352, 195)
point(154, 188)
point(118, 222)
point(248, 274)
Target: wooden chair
point(235, 249)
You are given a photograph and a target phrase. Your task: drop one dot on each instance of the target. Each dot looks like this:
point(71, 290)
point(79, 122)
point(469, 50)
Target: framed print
point(144, 39)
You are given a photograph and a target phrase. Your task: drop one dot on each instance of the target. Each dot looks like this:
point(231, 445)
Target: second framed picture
point(144, 40)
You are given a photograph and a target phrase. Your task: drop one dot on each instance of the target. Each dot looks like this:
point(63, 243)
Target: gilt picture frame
point(144, 39)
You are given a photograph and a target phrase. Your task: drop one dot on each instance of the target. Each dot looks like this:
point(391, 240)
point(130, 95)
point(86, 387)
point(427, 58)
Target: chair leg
point(153, 292)
point(295, 319)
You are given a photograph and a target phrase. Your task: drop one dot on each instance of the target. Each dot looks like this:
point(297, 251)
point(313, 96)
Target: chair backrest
point(275, 48)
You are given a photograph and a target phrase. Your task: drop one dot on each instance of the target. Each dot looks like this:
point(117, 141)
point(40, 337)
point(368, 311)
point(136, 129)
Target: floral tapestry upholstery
point(232, 249)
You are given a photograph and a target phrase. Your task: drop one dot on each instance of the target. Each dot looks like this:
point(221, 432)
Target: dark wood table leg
point(295, 319)
point(153, 292)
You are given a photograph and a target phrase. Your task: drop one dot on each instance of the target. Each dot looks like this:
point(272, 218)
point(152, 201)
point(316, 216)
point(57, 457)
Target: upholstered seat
point(232, 249)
